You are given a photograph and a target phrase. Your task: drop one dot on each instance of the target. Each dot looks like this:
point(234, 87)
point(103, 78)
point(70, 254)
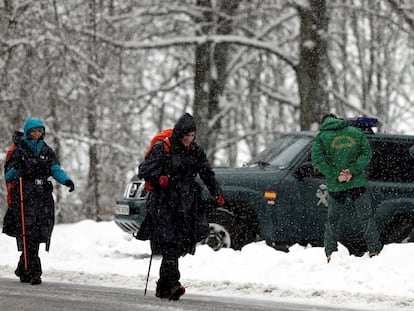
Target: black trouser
point(34, 267)
point(169, 273)
point(361, 200)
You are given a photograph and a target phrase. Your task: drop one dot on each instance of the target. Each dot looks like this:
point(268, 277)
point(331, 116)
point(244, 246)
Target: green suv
point(281, 198)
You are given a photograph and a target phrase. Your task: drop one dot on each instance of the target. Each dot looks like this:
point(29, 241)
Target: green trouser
point(336, 208)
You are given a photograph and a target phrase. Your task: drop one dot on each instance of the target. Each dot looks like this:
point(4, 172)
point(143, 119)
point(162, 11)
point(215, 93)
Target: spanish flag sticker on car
point(270, 195)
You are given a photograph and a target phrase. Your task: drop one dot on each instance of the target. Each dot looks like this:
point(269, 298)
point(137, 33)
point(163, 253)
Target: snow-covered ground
point(101, 254)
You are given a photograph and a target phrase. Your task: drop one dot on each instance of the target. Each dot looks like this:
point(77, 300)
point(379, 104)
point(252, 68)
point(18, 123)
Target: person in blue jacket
point(30, 165)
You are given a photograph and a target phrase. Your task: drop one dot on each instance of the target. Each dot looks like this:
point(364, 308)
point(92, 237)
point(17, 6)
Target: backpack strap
point(167, 144)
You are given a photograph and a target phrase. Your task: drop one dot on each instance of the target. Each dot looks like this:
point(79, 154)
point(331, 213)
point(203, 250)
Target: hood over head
point(332, 123)
point(32, 123)
point(184, 125)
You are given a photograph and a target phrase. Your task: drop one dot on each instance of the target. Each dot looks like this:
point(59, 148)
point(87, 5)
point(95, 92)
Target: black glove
point(70, 184)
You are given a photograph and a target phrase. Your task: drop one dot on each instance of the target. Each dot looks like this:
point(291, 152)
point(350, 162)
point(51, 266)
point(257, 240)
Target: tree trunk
point(210, 72)
point(92, 194)
point(312, 58)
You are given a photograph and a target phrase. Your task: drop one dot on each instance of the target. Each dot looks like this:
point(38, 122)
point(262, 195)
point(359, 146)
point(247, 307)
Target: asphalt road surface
point(51, 296)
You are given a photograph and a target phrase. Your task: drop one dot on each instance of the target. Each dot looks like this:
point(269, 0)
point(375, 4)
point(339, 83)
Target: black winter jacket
point(38, 201)
point(175, 218)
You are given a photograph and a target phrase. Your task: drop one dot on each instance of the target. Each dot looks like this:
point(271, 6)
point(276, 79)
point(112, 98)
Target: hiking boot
point(20, 270)
point(24, 276)
point(162, 291)
point(177, 292)
point(372, 254)
point(36, 280)
point(328, 258)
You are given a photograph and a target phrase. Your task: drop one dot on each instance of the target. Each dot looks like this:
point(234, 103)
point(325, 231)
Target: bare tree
point(312, 62)
point(368, 63)
point(405, 12)
point(210, 68)
point(107, 75)
point(92, 193)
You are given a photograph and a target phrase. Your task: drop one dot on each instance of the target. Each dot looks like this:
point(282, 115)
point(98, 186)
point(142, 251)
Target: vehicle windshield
point(281, 152)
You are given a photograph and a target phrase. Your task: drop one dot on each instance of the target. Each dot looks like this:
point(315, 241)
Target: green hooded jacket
point(340, 146)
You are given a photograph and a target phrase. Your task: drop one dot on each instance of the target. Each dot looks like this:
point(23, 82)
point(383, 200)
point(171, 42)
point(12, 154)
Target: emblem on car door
point(322, 195)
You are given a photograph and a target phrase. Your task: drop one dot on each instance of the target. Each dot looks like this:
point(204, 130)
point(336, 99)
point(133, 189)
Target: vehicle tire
point(222, 229)
point(399, 230)
point(233, 226)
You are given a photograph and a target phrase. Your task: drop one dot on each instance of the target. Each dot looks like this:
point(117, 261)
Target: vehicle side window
point(307, 169)
point(391, 162)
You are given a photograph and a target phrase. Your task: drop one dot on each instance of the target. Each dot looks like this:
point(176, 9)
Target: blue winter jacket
point(36, 146)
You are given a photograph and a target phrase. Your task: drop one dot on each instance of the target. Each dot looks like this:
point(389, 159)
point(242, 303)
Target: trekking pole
point(149, 269)
point(23, 226)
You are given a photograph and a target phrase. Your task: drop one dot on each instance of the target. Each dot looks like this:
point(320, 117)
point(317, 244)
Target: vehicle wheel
point(233, 226)
point(222, 229)
point(399, 230)
point(218, 238)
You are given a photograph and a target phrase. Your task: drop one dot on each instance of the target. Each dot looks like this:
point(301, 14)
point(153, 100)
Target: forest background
point(106, 75)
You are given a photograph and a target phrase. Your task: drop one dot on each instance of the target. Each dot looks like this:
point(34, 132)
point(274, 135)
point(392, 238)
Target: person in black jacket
point(29, 166)
point(175, 220)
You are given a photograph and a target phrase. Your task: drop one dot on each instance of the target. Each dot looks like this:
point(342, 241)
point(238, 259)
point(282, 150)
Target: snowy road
point(100, 254)
point(51, 296)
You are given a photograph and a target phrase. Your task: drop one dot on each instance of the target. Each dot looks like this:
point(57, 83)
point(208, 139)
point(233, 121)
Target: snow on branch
point(196, 40)
point(363, 112)
point(16, 42)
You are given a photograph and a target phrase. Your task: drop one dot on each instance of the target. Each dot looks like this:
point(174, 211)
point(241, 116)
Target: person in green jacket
point(341, 152)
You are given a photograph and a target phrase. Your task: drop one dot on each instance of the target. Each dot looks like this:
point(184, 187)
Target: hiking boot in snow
point(162, 292)
point(328, 258)
point(177, 292)
point(36, 280)
point(372, 254)
point(25, 277)
point(21, 273)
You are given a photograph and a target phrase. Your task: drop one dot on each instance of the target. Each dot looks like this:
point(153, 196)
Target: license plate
point(122, 209)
